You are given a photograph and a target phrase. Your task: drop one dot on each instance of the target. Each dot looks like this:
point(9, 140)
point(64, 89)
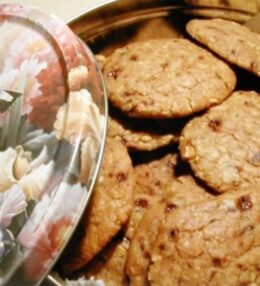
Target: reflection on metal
point(120, 13)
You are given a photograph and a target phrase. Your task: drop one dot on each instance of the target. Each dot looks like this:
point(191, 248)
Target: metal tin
point(96, 25)
point(114, 14)
point(92, 27)
point(53, 114)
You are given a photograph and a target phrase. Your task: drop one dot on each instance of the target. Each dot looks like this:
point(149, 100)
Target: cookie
point(248, 6)
point(166, 78)
point(243, 271)
point(149, 30)
point(144, 135)
point(223, 145)
point(109, 208)
point(137, 32)
point(151, 181)
point(232, 41)
point(210, 242)
point(184, 191)
point(109, 265)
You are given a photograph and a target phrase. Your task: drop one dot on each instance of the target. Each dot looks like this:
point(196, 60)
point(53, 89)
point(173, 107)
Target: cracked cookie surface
point(109, 265)
point(151, 182)
point(210, 242)
point(183, 191)
point(223, 145)
point(232, 41)
point(109, 208)
point(166, 78)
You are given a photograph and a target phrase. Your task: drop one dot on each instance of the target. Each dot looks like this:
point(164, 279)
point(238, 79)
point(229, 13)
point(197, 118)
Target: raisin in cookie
point(166, 78)
point(232, 41)
point(151, 182)
point(223, 145)
point(210, 242)
point(109, 208)
point(183, 191)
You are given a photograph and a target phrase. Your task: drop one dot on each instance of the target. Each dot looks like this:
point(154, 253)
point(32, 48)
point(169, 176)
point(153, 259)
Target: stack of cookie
point(178, 197)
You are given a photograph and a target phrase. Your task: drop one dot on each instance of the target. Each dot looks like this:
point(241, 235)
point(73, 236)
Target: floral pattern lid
point(53, 115)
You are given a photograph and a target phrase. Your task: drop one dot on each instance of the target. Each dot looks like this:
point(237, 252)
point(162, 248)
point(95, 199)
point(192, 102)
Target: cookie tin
point(110, 23)
point(53, 115)
point(103, 18)
point(48, 112)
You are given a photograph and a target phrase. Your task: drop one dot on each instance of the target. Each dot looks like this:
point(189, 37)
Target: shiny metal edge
point(50, 280)
point(110, 8)
point(119, 13)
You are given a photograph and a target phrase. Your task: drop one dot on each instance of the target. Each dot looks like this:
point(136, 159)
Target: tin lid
point(53, 115)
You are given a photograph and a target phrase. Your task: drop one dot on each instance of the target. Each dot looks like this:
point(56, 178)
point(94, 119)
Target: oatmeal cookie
point(109, 208)
point(149, 30)
point(151, 181)
point(109, 265)
point(166, 78)
point(223, 145)
point(139, 134)
point(210, 242)
point(232, 41)
point(184, 191)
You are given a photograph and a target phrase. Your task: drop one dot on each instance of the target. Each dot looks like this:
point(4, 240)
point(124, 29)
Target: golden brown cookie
point(144, 135)
point(210, 243)
point(109, 208)
point(151, 182)
point(248, 5)
point(183, 191)
point(223, 145)
point(149, 30)
point(109, 265)
point(232, 41)
point(242, 271)
point(166, 78)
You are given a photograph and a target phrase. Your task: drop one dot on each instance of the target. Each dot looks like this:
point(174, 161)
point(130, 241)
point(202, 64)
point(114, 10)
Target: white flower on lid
point(34, 183)
point(25, 75)
point(12, 202)
point(18, 168)
point(7, 159)
point(79, 118)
